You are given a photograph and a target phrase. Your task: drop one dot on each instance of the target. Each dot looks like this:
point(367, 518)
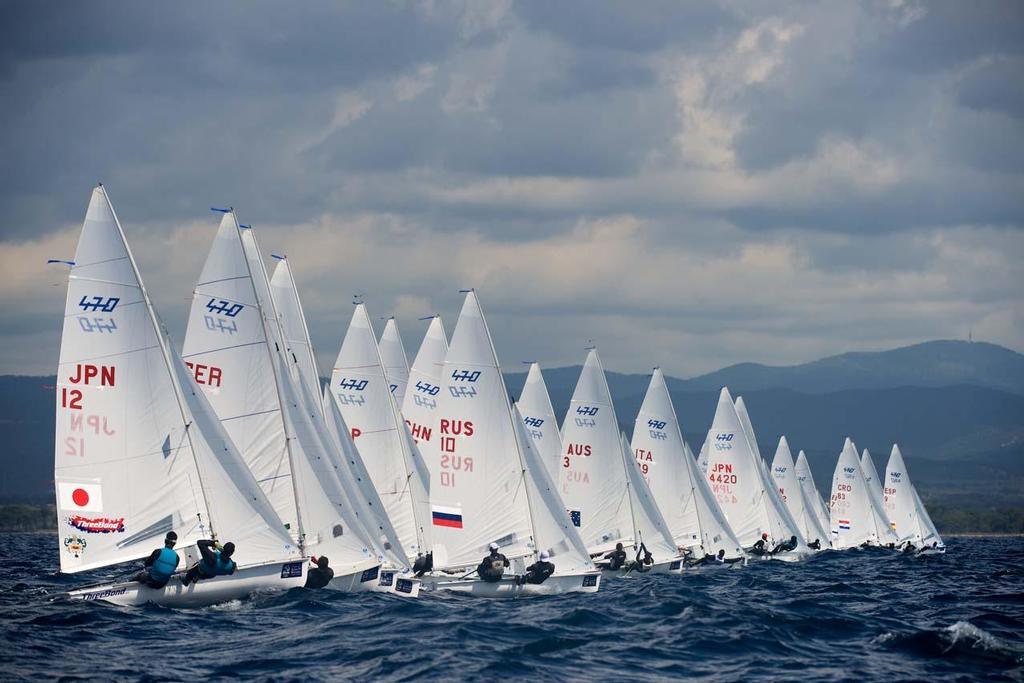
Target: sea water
point(853, 615)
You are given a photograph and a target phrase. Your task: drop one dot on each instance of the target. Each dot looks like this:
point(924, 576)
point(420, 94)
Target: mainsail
point(650, 529)
point(593, 479)
point(487, 483)
point(396, 363)
point(234, 342)
point(909, 519)
point(420, 405)
point(800, 506)
point(138, 449)
point(674, 476)
point(366, 401)
point(806, 480)
point(539, 418)
point(874, 484)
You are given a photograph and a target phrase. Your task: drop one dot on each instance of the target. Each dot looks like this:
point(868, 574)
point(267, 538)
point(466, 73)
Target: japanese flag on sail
point(80, 497)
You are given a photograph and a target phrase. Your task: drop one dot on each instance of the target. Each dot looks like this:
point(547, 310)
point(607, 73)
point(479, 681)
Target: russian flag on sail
point(447, 516)
point(844, 524)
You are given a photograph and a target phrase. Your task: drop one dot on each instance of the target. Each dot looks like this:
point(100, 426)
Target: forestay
point(675, 480)
point(420, 404)
point(138, 451)
point(367, 403)
point(793, 495)
point(593, 480)
point(539, 419)
point(477, 490)
point(396, 363)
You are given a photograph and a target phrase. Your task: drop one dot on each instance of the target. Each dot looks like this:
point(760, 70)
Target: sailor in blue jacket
point(215, 562)
point(160, 565)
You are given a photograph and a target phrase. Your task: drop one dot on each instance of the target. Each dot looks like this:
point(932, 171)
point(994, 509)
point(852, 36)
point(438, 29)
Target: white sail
point(553, 531)
point(649, 526)
point(477, 492)
point(396, 363)
point(420, 404)
point(675, 480)
point(593, 480)
point(852, 515)
point(138, 453)
point(806, 481)
point(781, 521)
point(363, 394)
point(874, 484)
point(793, 495)
point(702, 458)
point(234, 330)
point(908, 518)
point(293, 323)
point(540, 421)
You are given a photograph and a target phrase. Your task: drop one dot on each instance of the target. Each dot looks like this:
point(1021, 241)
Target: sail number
point(450, 434)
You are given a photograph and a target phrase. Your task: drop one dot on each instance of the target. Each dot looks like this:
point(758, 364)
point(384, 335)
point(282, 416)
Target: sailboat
point(874, 484)
point(396, 363)
point(367, 402)
point(742, 486)
point(806, 481)
point(907, 515)
point(539, 418)
point(678, 485)
point(235, 346)
point(801, 507)
point(854, 519)
point(594, 480)
point(139, 450)
point(488, 484)
point(420, 404)
point(361, 499)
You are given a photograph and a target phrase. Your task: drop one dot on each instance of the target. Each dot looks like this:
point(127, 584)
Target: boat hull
point(509, 587)
point(244, 582)
point(673, 566)
point(398, 582)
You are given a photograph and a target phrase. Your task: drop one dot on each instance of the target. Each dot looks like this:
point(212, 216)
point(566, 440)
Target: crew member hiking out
point(423, 564)
point(616, 558)
point(493, 566)
point(539, 571)
point(761, 547)
point(160, 565)
point(643, 562)
point(785, 546)
point(320, 575)
point(215, 562)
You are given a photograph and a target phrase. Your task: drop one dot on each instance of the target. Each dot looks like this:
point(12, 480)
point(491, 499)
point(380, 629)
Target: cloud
point(686, 184)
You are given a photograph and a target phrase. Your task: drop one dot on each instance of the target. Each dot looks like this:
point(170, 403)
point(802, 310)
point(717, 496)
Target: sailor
point(160, 565)
point(493, 566)
point(321, 574)
point(785, 546)
point(760, 548)
point(909, 547)
point(816, 545)
point(423, 564)
point(644, 560)
point(539, 571)
point(616, 558)
point(720, 557)
point(216, 561)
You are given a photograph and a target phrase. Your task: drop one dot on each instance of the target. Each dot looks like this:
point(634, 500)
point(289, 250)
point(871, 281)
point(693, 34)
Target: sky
point(689, 185)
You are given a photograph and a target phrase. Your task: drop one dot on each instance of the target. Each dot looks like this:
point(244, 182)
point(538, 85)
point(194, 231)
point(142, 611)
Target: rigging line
point(222, 348)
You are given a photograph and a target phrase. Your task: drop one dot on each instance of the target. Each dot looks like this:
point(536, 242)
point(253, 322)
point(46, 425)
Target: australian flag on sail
point(844, 524)
point(574, 515)
point(447, 516)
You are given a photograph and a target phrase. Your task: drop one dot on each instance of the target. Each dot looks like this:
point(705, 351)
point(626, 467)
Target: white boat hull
point(509, 587)
point(398, 582)
point(244, 582)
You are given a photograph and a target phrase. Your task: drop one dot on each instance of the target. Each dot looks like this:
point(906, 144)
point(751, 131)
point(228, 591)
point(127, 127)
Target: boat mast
point(161, 336)
point(273, 365)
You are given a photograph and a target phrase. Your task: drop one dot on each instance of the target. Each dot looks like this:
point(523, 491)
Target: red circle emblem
point(80, 497)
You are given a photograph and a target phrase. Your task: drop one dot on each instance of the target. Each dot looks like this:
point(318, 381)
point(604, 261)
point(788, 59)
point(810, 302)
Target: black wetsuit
point(816, 545)
point(643, 562)
point(318, 577)
point(539, 571)
point(759, 548)
point(616, 559)
point(492, 567)
point(423, 564)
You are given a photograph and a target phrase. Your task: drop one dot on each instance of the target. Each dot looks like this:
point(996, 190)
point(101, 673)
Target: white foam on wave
point(975, 636)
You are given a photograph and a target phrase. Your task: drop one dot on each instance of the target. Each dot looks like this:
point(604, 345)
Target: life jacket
point(164, 565)
point(218, 568)
point(491, 569)
point(541, 572)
